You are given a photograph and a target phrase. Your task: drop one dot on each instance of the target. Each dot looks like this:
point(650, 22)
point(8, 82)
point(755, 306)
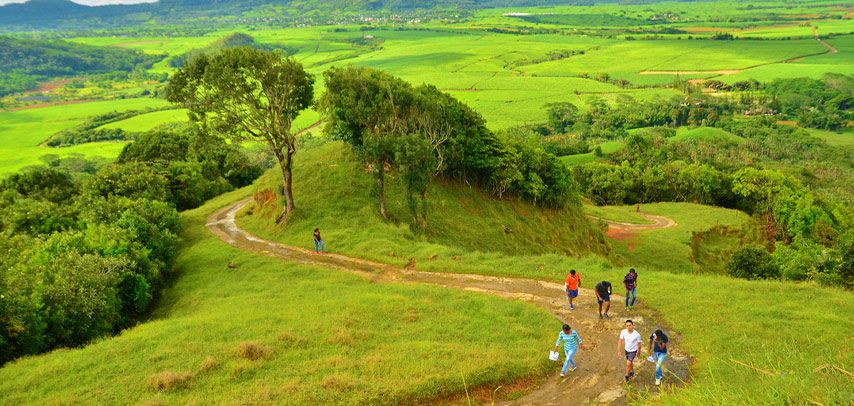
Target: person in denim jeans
point(631, 283)
point(658, 349)
point(318, 242)
point(571, 342)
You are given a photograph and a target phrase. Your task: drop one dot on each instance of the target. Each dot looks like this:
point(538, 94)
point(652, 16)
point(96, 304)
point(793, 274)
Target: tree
point(371, 110)
point(246, 93)
point(562, 116)
point(752, 263)
point(417, 163)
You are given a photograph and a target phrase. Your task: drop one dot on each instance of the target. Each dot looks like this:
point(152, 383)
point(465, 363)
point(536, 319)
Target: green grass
point(480, 223)
point(332, 338)
point(720, 319)
point(145, 122)
point(669, 248)
point(623, 214)
point(843, 139)
point(22, 131)
point(608, 148)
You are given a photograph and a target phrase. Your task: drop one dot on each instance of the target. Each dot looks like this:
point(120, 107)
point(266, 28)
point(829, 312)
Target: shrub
point(253, 351)
point(753, 263)
point(167, 381)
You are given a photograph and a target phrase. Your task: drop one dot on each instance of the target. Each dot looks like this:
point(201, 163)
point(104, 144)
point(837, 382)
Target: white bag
point(554, 355)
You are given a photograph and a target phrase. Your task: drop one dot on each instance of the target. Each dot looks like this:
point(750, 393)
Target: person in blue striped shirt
point(571, 343)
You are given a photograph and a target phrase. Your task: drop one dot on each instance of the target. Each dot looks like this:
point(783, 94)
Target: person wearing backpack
point(630, 281)
point(571, 343)
point(658, 349)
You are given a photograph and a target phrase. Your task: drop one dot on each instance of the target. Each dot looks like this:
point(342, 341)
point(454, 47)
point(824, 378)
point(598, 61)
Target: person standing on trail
point(658, 349)
point(630, 281)
point(629, 342)
point(573, 281)
point(603, 296)
point(318, 242)
point(571, 342)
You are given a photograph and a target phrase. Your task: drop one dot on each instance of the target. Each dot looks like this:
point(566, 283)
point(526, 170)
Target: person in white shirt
point(629, 342)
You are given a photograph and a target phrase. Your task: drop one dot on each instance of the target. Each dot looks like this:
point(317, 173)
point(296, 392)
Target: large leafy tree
point(247, 94)
point(371, 110)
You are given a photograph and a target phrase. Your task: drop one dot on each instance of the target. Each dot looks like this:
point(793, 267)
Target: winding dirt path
point(599, 377)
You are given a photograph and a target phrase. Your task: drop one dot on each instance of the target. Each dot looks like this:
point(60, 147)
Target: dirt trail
point(599, 377)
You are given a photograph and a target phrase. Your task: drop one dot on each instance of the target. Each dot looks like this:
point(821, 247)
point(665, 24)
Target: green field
point(22, 131)
point(147, 121)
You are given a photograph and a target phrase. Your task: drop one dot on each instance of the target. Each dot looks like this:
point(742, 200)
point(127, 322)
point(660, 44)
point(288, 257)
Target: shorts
point(572, 293)
point(630, 355)
point(605, 298)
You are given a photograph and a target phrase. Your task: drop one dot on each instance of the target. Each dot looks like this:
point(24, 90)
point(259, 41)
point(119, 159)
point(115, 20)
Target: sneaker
point(631, 374)
point(627, 308)
point(627, 378)
point(562, 375)
point(573, 369)
point(600, 316)
point(571, 307)
point(657, 381)
point(607, 316)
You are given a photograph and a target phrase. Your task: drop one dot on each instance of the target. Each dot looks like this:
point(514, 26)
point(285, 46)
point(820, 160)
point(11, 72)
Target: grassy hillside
point(333, 191)
point(322, 337)
point(756, 342)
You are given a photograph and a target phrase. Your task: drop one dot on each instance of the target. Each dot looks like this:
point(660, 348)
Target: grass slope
point(787, 329)
point(323, 337)
point(463, 220)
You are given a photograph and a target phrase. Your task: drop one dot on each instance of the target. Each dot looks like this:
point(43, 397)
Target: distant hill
point(26, 62)
point(50, 14)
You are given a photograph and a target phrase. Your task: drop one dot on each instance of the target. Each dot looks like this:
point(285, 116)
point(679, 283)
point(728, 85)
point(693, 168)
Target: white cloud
point(89, 2)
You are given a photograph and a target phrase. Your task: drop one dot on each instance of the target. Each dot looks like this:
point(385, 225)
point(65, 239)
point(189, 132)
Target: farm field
point(22, 131)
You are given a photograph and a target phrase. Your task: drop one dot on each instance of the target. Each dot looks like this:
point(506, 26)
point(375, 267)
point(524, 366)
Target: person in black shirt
point(603, 295)
point(658, 349)
point(318, 242)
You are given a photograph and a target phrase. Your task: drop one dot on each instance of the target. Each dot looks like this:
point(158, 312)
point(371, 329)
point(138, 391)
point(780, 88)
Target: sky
point(89, 2)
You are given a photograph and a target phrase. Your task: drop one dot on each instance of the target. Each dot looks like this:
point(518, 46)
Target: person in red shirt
point(573, 281)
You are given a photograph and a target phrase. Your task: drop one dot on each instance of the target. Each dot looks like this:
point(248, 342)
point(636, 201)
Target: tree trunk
point(381, 189)
point(286, 163)
point(424, 208)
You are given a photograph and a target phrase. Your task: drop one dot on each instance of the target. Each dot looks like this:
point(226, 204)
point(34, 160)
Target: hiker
point(603, 295)
point(318, 242)
point(630, 281)
point(658, 349)
point(571, 342)
point(630, 342)
point(573, 281)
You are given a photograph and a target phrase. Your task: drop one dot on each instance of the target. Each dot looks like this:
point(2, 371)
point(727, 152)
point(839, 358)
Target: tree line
point(83, 254)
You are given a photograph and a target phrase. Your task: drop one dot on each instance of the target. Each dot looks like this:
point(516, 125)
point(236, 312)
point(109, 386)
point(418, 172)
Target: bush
point(753, 263)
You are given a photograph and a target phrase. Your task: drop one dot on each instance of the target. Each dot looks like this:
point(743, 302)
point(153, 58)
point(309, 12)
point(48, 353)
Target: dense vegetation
point(26, 62)
point(742, 159)
point(84, 254)
point(425, 132)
